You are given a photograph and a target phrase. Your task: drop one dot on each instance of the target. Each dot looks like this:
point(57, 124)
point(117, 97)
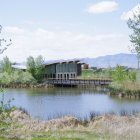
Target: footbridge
point(74, 82)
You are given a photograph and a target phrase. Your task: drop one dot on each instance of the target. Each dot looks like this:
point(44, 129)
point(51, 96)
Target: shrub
point(16, 77)
point(119, 74)
point(5, 108)
point(132, 76)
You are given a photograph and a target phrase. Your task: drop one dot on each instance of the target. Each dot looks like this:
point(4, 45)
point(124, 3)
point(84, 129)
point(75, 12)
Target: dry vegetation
point(102, 127)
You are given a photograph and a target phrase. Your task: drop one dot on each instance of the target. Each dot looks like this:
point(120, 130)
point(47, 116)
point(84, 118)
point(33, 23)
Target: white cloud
point(129, 14)
point(15, 30)
point(61, 45)
point(102, 7)
point(97, 37)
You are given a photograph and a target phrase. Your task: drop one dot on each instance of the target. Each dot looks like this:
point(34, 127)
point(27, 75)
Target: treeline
point(33, 74)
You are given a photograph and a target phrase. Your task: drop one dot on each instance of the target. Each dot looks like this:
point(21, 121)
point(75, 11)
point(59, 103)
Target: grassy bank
point(102, 127)
point(126, 88)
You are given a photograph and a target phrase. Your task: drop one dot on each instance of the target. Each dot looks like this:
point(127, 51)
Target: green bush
point(16, 77)
point(132, 76)
point(119, 74)
point(116, 86)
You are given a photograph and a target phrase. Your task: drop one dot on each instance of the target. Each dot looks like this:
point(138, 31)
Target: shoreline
point(107, 126)
point(124, 95)
point(42, 85)
point(110, 92)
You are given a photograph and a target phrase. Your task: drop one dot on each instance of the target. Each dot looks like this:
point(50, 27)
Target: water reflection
point(46, 103)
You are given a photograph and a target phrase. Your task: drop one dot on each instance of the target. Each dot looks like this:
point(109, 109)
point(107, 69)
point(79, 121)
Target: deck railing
point(79, 81)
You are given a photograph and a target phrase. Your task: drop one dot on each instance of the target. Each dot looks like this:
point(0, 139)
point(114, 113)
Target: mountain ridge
point(129, 60)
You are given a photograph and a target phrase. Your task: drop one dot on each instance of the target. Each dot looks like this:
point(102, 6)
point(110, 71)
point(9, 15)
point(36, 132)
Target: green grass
point(9, 138)
point(66, 135)
point(91, 74)
point(10, 133)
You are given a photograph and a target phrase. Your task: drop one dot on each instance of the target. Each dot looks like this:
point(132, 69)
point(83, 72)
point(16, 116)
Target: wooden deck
point(79, 81)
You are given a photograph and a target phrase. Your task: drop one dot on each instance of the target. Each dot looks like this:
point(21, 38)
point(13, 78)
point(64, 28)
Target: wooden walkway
point(75, 82)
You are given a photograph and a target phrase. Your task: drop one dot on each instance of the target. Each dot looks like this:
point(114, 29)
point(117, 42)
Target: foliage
point(118, 87)
point(97, 73)
point(109, 72)
point(134, 24)
point(6, 65)
point(138, 78)
point(119, 74)
point(4, 44)
point(40, 68)
point(123, 80)
point(132, 76)
point(31, 65)
point(36, 67)
point(5, 110)
point(16, 77)
point(130, 85)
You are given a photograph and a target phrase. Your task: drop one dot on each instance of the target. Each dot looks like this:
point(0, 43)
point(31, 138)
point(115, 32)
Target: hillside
point(129, 60)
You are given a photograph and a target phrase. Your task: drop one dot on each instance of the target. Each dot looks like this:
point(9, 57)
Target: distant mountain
point(129, 60)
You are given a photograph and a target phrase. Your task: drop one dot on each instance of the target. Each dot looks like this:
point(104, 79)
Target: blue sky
point(62, 29)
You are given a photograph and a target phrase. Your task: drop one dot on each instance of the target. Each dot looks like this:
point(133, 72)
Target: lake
point(55, 102)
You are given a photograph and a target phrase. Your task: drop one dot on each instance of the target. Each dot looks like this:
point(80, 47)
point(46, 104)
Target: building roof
point(22, 66)
point(62, 61)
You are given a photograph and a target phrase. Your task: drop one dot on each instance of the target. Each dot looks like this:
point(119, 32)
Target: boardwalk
point(75, 82)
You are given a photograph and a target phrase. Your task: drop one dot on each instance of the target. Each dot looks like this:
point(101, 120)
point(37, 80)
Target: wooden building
point(58, 69)
point(63, 70)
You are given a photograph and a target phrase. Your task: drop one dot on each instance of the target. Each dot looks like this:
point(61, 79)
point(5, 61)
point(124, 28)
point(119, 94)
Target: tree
point(40, 68)
point(6, 65)
point(4, 44)
point(134, 24)
point(4, 111)
point(31, 65)
point(36, 67)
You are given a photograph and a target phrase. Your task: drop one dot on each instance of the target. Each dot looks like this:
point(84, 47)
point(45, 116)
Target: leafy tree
point(4, 44)
point(36, 67)
point(31, 65)
point(6, 65)
point(4, 106)
point(134, 24)
point(40, 68)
